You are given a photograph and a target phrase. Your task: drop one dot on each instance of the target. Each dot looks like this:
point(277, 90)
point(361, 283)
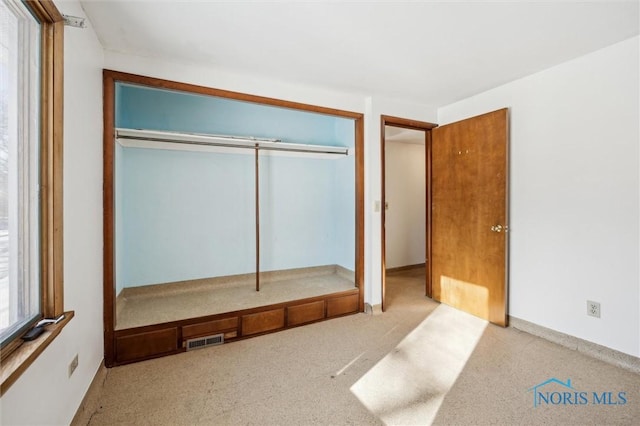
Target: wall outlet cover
point(73, 365)
point(593, 309)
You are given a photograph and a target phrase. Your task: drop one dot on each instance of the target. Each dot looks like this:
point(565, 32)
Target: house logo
point(557, 392)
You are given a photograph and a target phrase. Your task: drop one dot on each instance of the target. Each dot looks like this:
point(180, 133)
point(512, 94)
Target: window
point(31, 66)
point(19, 143)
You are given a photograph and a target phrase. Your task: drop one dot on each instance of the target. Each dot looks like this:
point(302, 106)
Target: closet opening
point(225, 214)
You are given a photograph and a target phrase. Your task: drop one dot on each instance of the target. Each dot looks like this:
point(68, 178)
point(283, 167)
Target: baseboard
point(177, 287)
point(405, 268)
point(608, 355)
point(90, 402)
point(372, 309)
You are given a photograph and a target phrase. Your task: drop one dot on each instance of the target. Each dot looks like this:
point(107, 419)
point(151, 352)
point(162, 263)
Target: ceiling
point(400, 135)
point(429, 52)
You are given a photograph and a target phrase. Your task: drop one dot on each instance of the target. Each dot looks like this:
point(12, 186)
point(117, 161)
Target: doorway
point(405, 151)
point(467, 216)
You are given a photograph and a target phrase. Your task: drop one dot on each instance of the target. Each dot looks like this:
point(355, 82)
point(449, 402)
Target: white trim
point(603, 353)
point(21, 292)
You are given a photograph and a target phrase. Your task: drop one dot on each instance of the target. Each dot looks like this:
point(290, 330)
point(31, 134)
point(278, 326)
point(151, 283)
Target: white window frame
point(23, 174)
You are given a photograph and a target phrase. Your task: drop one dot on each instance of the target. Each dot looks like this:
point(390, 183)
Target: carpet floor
point(418, 363)
point(155, 304)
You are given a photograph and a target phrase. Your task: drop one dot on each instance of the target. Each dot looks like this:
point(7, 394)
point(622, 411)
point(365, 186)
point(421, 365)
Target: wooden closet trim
point(110, 78)
point(118, 76)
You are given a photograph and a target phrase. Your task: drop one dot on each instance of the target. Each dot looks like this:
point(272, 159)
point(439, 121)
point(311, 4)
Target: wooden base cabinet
point(141, 343)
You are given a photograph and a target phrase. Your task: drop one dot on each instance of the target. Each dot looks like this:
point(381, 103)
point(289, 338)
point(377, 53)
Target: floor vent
point(203, 342)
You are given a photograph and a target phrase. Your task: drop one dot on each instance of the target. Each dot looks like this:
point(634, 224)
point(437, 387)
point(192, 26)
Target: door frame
point(387, 120)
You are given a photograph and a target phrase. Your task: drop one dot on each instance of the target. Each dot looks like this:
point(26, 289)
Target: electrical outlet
point(593, 309)
point(73, 365)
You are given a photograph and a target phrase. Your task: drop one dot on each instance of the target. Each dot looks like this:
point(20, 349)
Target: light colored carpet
point(155, 304)
point(418, 363)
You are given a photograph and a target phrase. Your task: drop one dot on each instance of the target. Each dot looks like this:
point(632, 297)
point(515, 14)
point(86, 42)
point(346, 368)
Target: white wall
point(405, 193)
point(374, 108)
point(574, 194)
point(44, 394)
point(234, 81)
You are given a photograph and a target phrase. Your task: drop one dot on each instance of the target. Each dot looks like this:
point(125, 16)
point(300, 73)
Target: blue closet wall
point(183, 215)
point(144, 108)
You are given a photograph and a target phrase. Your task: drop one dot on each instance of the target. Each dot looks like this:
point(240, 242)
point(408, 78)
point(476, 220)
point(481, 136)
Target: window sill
point(23, 356)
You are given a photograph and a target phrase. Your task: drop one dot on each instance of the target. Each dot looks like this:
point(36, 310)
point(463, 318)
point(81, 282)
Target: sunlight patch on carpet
point(409, 384)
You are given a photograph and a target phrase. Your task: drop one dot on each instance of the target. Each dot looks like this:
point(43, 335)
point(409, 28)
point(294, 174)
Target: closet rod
point(225, 141)
point(257, 186)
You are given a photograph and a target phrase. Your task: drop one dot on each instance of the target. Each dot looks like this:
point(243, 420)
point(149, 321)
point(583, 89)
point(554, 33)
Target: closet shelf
point(133, 137)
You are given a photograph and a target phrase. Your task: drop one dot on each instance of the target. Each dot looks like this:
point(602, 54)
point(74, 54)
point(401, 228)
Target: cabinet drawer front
point(342, 305)
point(308, 312)
point(146, 345)
point(209, 327)
point(262, 321)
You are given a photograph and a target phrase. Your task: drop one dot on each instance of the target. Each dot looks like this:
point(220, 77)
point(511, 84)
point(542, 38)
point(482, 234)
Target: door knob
point(497, 228)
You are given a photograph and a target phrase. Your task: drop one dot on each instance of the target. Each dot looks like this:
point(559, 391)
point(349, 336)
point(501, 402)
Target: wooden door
point(469, 222)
